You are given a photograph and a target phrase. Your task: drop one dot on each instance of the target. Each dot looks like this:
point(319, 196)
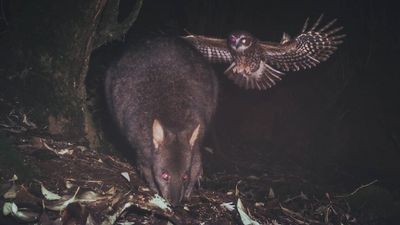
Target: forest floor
point(51, 180)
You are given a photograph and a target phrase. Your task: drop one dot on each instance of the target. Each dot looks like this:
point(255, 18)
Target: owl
point(256, 64)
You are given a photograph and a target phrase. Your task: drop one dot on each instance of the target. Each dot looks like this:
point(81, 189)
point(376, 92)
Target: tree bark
point(46, 52)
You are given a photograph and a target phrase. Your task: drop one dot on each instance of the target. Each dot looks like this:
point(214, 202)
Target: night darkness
point(342, 114)
point(329, 129)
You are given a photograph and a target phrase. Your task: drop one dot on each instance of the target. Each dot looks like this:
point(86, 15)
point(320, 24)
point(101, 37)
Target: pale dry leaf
point(126, 176)
point(246, 220)
point(48, 194)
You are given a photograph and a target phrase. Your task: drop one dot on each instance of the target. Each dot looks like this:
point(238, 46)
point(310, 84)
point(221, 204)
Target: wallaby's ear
point(158, 133)
point(194, 136)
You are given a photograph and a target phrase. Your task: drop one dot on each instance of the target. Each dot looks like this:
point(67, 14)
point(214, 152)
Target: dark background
point(343, 115)
point(336, 125)
point(340, 120)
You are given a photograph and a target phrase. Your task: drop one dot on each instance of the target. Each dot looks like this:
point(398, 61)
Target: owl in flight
point(256, 64)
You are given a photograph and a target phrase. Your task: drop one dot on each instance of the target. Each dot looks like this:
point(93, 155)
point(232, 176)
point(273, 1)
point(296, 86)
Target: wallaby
point(162, 95)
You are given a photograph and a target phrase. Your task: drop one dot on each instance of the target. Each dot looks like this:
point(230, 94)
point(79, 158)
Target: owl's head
point(239, 41)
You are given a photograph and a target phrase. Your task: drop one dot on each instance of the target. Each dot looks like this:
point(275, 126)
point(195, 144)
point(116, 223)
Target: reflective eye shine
point(165, 176)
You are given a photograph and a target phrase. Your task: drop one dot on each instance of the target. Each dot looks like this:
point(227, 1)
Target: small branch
point(109, 29)
point(297, 217)
point(358, 189)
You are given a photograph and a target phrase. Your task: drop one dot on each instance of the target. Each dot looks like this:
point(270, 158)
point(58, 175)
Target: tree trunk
point(46, 51)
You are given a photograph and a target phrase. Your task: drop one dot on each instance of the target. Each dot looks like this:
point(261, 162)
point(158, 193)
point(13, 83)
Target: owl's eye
point(245, 41)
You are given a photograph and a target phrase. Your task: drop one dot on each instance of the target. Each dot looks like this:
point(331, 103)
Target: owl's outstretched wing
point(307, 50)
point(213, 49)
point(264, 67)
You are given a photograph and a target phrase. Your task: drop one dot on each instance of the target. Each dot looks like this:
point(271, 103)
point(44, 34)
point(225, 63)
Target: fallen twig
point(358, 189)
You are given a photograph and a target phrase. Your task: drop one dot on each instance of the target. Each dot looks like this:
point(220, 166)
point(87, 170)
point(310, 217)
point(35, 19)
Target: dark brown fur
point(163, 79)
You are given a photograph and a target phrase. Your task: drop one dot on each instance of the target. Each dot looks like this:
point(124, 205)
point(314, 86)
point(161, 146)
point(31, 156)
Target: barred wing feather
point(304, 51)
point(213, 49)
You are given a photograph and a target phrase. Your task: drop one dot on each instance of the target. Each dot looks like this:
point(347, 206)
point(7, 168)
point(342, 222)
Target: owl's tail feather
point(263, 78)
point(270, 76)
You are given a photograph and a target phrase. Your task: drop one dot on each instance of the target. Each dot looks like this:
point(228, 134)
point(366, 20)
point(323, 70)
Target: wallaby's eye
point(165, 175)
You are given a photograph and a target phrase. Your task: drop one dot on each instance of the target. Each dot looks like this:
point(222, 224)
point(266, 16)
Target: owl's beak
point(237, 44)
